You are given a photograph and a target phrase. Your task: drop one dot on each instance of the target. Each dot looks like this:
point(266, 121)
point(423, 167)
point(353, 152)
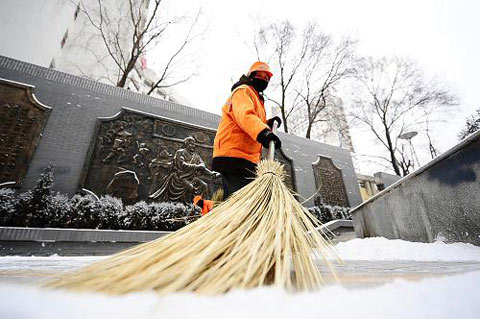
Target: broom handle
point(271, 146)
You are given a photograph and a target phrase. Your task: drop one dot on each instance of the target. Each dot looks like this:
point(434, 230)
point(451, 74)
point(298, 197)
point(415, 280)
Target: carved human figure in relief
point(121, 141)
point(159, 167)
point(184, 181)
point(140, 158)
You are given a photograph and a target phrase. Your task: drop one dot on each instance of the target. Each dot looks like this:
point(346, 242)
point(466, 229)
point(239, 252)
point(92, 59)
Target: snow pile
point(379, 248)
point(444, 297)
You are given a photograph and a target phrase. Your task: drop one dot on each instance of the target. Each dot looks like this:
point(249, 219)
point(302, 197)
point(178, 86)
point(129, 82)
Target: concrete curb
point(78, 235)
point(335, 224)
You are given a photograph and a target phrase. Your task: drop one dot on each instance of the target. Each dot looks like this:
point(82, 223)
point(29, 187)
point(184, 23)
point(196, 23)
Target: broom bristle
point(260, 236)
point(217, 197)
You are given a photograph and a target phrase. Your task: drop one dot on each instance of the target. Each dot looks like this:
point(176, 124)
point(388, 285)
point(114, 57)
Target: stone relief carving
point(186, 176)
point(124, 185)
point(169, 159)
point(141, 157)
point(159, 167)
point(120, 140)
point(329, 180)
point(22, 119)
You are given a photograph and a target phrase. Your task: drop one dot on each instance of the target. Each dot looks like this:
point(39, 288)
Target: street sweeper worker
point(243, 130)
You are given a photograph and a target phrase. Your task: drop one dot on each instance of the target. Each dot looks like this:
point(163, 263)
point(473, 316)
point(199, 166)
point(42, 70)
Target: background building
point(58, 34)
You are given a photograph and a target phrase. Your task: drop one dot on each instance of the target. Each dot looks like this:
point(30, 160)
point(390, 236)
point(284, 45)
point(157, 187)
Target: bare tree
point(392, 98)
point(471, 126)
point(277, 43)
point(404, 161)
point(169, 75)
point(327, 64)
point(308, 66)
point(429, 113)
point(128, 37)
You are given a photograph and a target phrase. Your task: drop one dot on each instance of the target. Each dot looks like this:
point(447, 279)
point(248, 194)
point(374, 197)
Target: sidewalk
point(364, 274)
point(353, 274)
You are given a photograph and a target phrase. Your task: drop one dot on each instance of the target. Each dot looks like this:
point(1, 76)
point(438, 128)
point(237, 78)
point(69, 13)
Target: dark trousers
point(233, 182)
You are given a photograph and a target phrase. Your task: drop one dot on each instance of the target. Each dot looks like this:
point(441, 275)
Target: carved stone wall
point(22, 120)
point(165, 156)
point(287, 162)
point(77, 104)
point(329, 179)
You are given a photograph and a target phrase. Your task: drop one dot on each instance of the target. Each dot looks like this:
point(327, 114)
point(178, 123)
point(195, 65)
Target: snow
point(379, 248)
point(40, 264)
point(445, 297)
point(453, 295)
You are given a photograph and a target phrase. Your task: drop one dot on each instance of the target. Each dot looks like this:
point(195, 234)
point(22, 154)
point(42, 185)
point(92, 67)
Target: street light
point(408, 136)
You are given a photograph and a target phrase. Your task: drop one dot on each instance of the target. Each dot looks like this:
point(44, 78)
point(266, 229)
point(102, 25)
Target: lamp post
point(408, 136)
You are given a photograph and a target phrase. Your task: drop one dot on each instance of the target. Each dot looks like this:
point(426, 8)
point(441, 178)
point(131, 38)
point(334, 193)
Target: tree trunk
point(393, 159)
point(309, 130)
point(123, 80)
point(284, 120)
point(284, 117)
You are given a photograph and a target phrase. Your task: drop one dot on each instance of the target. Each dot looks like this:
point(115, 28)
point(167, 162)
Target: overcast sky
point(441, 35)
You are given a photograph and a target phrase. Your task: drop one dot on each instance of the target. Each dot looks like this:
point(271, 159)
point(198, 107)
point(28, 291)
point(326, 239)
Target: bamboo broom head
point(260, 236)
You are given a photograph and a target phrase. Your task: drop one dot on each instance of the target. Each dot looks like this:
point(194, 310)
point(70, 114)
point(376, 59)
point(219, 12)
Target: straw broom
point(260, 236)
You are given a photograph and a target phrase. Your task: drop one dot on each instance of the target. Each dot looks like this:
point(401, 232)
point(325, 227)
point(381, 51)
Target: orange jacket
point(207, 205)
point(243, 118)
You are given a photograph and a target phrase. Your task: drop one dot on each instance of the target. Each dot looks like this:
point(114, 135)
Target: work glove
point(265, 136)
point(273, 120)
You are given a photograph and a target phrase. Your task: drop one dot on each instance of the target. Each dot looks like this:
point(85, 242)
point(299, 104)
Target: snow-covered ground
point(379, 248)
point(434, 297)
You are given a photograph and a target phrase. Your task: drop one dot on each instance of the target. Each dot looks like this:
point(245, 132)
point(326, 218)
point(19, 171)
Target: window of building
point(77, 10)
point(64, 40)
point(52, 64)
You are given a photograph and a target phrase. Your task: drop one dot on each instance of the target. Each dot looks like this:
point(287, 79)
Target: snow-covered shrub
point(35, 202)
point(171, 215)
point(59, 210)
point(315, 211)
point(41, 207)
point(326, 213)
point(347, 213)
point(21, 217)
point(9, 204)
point(110, 212)
point(136, 216)
point(85, 212)
point(191, 209)
point(341, 212)
point(155, 216)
